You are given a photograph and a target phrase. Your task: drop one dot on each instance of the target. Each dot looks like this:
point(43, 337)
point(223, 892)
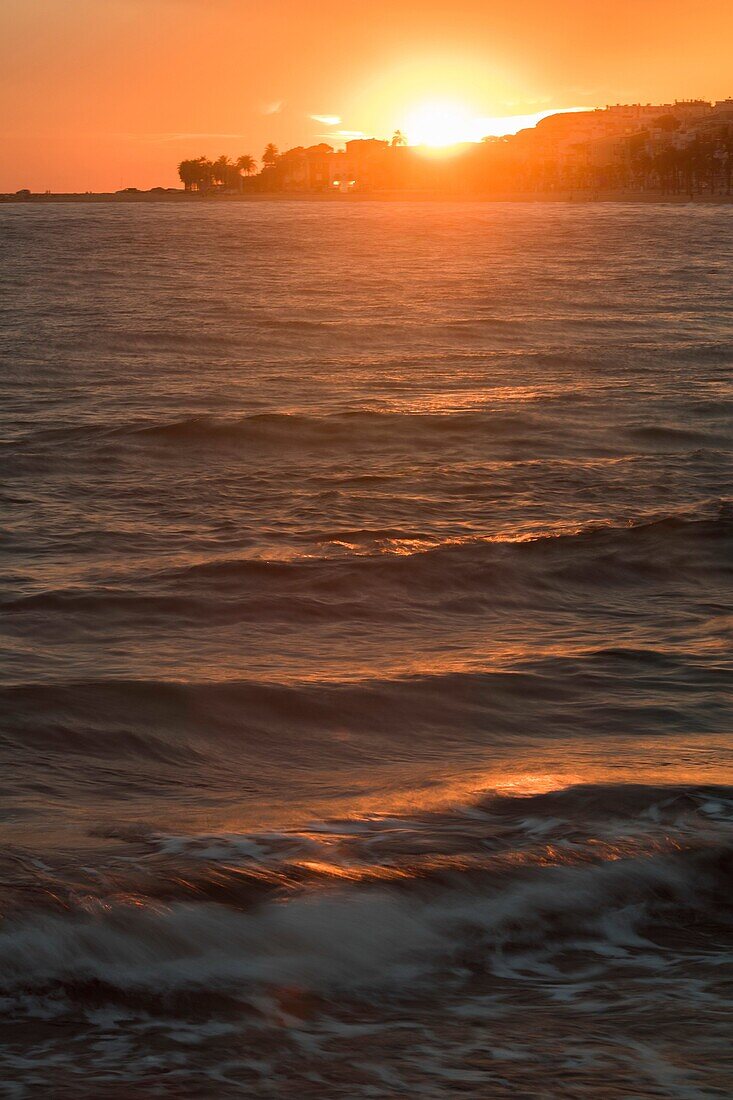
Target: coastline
point(647, 197)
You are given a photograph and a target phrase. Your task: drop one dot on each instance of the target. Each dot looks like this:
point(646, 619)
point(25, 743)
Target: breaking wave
point(568, 884)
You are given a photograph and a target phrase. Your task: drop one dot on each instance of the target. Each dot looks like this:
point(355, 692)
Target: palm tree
point(270, 155)
point(196, 175)
point(221, 169)
point(204, 173)
point(246, 164)
point(187, 173)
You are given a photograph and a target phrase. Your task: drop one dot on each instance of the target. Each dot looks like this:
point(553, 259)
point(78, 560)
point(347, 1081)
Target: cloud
point(504, 125)
point(273, 108)
point(327, 120)
point(182, 136)
point(344, 135)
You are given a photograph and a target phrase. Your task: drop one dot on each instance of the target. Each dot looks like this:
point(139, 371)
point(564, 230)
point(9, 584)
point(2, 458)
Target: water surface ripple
point(365, 602)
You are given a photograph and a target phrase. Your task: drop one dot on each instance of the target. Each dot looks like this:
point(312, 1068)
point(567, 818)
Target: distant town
point(683, 148)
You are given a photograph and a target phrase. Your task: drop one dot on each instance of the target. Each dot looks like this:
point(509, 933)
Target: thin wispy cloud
point(503, 126)
point(327, 120)
point(344, 135)
point(189, 136)
point(182, 135)
point(511, 105)
point(273, 108)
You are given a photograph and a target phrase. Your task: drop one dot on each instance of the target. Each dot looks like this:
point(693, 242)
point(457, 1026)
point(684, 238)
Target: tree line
point(704, 164)
point(202, 174)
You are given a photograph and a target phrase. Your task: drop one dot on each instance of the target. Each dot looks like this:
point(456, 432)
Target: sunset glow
point(365, 729)
point(439, 124)
point(100, 96)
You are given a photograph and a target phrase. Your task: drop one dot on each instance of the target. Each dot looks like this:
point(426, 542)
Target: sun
point(438, 124)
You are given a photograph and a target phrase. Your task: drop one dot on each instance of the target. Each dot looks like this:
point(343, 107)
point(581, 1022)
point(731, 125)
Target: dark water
point(365, 706)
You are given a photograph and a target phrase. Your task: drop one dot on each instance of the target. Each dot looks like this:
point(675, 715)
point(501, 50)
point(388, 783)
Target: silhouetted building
point(685, 146)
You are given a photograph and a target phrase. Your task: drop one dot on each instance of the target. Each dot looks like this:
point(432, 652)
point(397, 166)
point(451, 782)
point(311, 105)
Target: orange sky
point(99, 94)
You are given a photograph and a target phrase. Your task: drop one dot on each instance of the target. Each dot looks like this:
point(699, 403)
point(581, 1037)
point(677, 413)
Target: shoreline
point(578, 197)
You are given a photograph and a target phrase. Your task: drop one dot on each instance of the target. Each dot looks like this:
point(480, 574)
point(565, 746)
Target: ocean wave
point(228, 712)
point(569, 884)
point(672, 434)
point(361, 573)
point(627, 546)
point(293, 429)
point(540, 696)
point(534, 422)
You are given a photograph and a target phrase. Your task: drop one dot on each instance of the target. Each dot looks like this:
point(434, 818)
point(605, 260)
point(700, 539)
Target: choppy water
point(365, 705)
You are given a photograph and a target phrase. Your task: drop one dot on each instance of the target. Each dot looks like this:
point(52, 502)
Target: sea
point(365, 601)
